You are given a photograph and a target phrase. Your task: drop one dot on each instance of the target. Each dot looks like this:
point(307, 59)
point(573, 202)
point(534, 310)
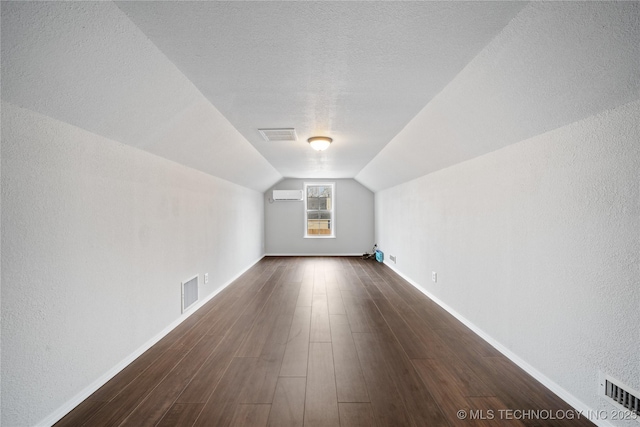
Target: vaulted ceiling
point(403, 88)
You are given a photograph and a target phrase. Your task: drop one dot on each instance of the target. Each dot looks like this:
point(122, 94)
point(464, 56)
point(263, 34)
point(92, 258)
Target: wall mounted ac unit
point(287, 194)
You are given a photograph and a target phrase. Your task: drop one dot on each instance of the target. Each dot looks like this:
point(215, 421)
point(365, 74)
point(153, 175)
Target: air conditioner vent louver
point(621, 395)
point(291, 195)
point(282, 134)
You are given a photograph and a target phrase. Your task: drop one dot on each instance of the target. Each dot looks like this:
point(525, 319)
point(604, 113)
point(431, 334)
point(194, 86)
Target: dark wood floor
point(321, 342)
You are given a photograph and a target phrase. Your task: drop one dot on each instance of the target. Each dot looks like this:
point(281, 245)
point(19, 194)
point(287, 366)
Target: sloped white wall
point(538, 246)
point(96, 238)
point(555, 63)
point(87, 64)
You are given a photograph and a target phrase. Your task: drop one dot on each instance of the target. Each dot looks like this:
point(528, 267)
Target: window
point(319, 213)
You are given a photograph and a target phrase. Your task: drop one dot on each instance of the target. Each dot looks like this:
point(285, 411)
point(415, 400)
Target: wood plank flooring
point(326, 341)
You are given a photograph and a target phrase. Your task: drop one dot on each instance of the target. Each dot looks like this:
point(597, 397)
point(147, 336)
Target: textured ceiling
point(355, 71)
point(404, 88)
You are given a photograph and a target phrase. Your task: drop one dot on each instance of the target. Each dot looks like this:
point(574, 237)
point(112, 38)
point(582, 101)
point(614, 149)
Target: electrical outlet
point(206, 277)
point(434, 276)
point(392, 258)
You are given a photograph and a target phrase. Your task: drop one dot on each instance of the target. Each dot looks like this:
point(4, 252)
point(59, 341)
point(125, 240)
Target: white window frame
point(332, 211)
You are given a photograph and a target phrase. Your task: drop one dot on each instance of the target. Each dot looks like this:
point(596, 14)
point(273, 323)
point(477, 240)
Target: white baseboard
point(576, 403)
point(103, 379)
point(289, 254)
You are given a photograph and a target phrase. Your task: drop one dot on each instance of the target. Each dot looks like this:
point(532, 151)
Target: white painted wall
point(538, 246)
point(85, 63)
point(96, 238)
point(354, 221)
point(553, 64)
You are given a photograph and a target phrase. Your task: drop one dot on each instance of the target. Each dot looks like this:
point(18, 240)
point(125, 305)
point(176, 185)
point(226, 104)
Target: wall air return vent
point(282, 134)
point(189, 293)
point(620, 395)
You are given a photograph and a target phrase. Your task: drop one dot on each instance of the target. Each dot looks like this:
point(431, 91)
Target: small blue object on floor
point(379, 255)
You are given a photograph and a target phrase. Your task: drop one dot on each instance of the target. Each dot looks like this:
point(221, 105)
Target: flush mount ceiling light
point(319, 143)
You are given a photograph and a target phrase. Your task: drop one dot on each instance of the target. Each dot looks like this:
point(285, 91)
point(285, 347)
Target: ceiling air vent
point(620, 395)
point(283, 134)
